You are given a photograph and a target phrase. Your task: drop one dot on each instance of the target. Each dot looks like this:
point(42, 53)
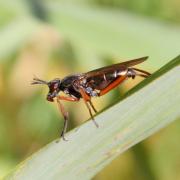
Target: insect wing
point(120, 67)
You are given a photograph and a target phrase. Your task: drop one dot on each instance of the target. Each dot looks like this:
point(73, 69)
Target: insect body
point(91, 84)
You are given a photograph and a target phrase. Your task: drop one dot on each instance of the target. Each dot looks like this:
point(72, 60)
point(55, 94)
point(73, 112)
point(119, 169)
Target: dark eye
point(55, 85)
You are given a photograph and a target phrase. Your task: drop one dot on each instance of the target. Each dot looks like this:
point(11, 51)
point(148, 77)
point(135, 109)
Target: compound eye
point(56, 85)
point(53, 86)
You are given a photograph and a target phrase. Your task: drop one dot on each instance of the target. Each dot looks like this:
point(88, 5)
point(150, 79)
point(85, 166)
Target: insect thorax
point(67, 85)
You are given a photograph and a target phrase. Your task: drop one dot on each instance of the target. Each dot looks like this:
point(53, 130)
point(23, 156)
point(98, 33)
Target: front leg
point(64, 112)
point(73, 99)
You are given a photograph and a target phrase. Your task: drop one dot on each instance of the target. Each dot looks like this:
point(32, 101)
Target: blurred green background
point(54, 38)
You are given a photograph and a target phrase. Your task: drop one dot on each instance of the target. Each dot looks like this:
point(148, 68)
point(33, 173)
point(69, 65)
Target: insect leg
point(65, 115)
point(92, 106)
point(140, 70)
point(132, 72)
point(64, 112)
point(86, 99)
point(68, 98)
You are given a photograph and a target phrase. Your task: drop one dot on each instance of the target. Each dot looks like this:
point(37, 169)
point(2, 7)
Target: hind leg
point(133, 72)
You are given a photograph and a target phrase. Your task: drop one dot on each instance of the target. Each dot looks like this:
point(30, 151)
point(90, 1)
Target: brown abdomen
point(102, 81)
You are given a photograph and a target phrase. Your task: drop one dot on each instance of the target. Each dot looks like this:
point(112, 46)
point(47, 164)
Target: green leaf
point(146, 109)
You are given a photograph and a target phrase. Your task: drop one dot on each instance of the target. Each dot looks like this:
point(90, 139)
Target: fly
point(94, 83)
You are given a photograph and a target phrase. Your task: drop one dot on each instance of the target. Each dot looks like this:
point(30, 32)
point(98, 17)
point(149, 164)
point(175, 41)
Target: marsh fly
point(91, 84)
